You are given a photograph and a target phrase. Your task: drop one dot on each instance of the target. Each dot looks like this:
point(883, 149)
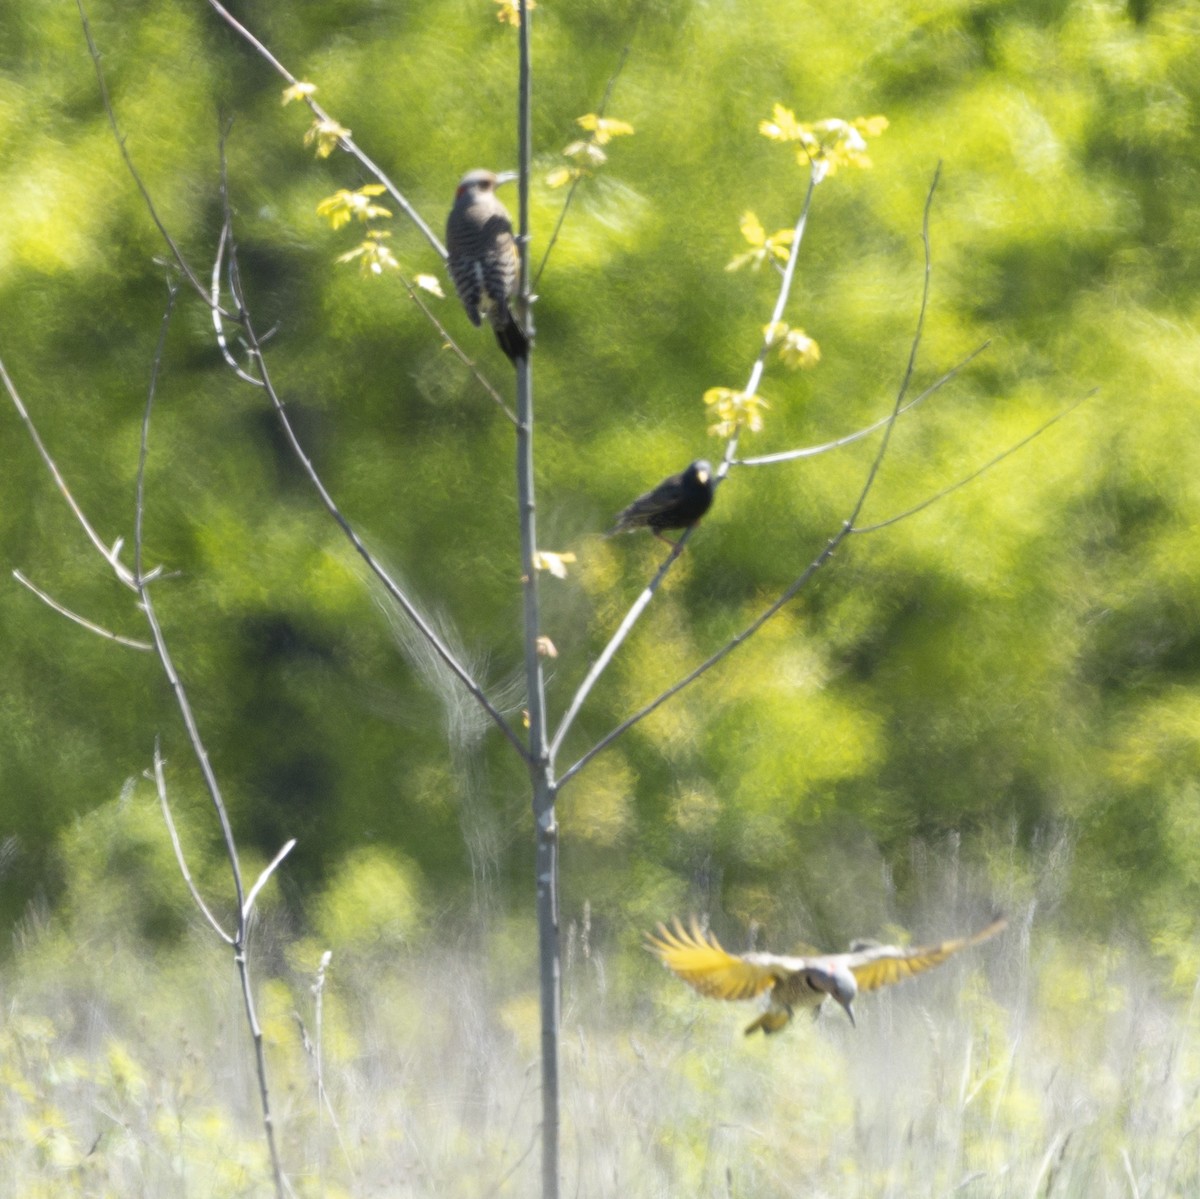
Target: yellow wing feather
point(882, 966)
point(697, 958)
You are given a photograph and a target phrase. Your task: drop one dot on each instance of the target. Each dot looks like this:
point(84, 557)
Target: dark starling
point(676, 503)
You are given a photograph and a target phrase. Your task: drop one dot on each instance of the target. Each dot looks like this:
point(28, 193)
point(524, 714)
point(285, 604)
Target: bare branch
point(598, 667)
point(261, 881)
point(562, 216)
point(161, 783)
point(99, 630)
point(239, 940)
point(164, 657)
point(885, 441)
point(109, 555)
point(393, 589)
point(1012, 449)
point(814, 450)
point(710, 661)
point(176, 252)
point(346, 142)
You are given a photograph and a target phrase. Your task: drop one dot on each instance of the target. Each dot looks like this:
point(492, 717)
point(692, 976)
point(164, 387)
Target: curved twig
point(214, 301)
point(1012, 449)
point(91, 626)
point(813, 450)
point(265, 876)
point(160, 783)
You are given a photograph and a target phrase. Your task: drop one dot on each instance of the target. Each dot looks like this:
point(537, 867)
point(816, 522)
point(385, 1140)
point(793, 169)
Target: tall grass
point(1035, 1066)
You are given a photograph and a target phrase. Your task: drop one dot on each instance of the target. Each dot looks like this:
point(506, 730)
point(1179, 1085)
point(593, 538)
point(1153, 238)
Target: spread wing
point(697, 957)
point(881, 965)
point(662, 499)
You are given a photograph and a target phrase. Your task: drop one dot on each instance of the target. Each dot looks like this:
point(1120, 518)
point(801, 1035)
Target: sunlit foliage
point(1017, 664)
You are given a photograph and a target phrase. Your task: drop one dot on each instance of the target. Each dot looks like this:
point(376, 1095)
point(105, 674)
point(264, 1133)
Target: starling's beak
point(702, 476)
point(849, 1013)
point(505, 177)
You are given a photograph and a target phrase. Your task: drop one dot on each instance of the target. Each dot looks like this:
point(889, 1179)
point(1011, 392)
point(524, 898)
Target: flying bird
point(482, 258)
point(697, 957)
point(676, 503)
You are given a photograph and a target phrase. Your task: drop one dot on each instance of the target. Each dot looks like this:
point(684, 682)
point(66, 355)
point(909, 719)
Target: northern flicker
point(676, 503)
point(482, 258)
point(792, 982)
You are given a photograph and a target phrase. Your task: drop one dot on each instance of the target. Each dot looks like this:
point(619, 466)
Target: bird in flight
point(787, 983)
point(676, 503)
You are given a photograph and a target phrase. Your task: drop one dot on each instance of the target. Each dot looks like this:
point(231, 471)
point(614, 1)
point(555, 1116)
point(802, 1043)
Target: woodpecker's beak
point(849, 1013)
point(505, 177)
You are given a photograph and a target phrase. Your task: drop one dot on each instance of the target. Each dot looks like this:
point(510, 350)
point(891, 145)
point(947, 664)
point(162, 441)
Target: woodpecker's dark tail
point(510, 336)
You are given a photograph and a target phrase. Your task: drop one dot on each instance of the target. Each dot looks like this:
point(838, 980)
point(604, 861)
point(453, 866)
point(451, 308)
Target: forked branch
point(849, 526)
point(640, 604)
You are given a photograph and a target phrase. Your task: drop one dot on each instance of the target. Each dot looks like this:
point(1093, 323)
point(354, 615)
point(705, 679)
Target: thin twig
point(598, 667)
point(831, 546)
point(139, 504)
point(92, 627)
point(813, 450)
point(346, 142)
point(109, 555)
point(1012, 449)
point(176, 252)
point(562, 216)
point(160, 783)
point(185, 707)
point(885, 441)
point(262, 879)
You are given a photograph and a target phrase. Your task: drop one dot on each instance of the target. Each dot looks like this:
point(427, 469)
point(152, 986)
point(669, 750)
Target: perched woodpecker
point(482, 258)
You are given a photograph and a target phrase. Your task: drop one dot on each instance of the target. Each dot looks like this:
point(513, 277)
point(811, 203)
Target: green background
point(1009, 675)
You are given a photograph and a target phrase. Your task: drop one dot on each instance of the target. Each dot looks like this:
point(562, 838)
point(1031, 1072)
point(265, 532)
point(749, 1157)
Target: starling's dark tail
point(512, 338)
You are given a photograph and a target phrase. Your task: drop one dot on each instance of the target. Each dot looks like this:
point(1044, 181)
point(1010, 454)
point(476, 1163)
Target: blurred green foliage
point(1016, 665)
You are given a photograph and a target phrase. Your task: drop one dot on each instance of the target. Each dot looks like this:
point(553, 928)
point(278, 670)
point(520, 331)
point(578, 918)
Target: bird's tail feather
point(511, 337)
point(772, 1020)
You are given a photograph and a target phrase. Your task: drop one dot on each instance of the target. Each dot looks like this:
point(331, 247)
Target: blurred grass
point(1043, 1064)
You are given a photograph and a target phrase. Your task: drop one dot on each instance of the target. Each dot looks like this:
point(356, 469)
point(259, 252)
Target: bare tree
point(225, 297)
